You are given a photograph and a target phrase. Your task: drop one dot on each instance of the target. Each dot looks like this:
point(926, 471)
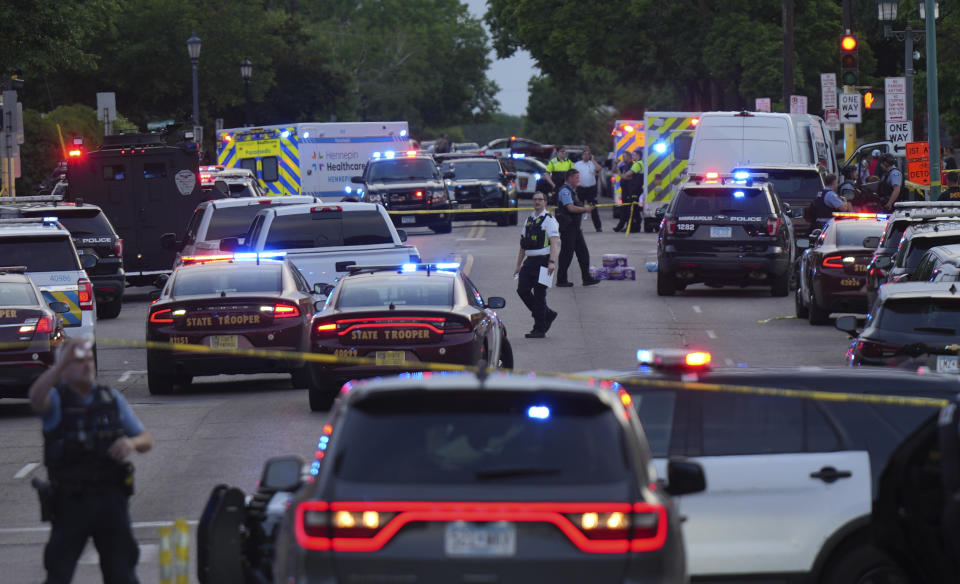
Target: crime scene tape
point(813, 394)
point(482, 210)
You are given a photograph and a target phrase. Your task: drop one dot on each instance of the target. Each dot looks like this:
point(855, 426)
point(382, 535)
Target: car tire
point(666, 284)
point(780, 286)
point(799, 307)
point(443, 227)
point(301, 378)
point(506, 355)
point(322, 391)
point(503, 219)
point(648, 226)
point(863, 564)
point(110, 309)
point(817, 315)
point(515, 216)
point(159, 384)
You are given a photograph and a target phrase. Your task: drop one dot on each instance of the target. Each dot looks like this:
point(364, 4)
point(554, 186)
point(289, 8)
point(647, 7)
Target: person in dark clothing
point(89, 430)
point(539, 242)
point(570, 211)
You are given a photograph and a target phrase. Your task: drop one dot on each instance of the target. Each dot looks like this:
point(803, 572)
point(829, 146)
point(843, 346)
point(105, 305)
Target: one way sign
point(850, 108)
point(899, 133)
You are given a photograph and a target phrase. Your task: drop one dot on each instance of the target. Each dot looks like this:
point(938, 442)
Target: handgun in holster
point(45, 492)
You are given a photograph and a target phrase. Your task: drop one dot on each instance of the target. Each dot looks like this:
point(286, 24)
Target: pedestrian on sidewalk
point(539, 246)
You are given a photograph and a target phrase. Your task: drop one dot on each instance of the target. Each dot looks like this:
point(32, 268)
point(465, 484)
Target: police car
point(46, 250)
point(916, 241)
point(726, 230)
point(790, 483)
point(460, 478)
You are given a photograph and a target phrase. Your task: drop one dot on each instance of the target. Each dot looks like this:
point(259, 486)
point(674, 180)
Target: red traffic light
point(848, 43)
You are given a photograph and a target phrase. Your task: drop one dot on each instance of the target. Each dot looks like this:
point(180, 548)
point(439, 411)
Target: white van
point(728, 140)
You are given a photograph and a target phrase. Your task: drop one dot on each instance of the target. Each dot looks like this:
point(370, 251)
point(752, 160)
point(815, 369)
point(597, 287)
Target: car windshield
point(707, 202)
point(400, 169)
point(795, 186)
point(231, 221)
point(920, 315)
point(399, 291)
point(473, 169)
point(920, 245)
point(213, 279)
point(852, 233)
point(17, 294)
point(40, 254)
point(328, 229)
point(489, 437)
point(80, 223)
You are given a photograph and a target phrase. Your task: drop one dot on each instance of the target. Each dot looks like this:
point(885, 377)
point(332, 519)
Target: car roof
point(15, 227)
point(245, 201)
point(931, 229)
point(297, 209)
point(948, 252)
point(919, 290)
point(6, 277)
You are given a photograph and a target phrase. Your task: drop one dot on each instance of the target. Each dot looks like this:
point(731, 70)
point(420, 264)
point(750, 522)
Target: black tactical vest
point(566, 218)
point(534, 235)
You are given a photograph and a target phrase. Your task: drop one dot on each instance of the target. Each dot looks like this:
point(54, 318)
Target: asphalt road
point(226, 427)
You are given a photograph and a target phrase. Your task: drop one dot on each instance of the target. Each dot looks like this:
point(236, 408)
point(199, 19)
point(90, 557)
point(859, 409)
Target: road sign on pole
point(895, 107)
point(850, 108)
point(762, 104)
point(798, 104)
point(832, 117)
point(828, 90)
point(918, 162)
point(900, 133)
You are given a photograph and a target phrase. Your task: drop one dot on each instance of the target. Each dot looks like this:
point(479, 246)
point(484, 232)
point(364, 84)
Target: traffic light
point(849, 69)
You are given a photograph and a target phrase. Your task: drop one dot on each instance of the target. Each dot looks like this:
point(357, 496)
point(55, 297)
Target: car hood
point(404, 185)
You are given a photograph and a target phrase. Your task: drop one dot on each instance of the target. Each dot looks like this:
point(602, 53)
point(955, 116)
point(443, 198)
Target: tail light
point(85, 294)
point(326, 329)
point(832, 262)
point(282, 310)
point(118, 247)
point(37, 325)
point(670, 225)
point(875, 349)
point(312, 525)
point(162, 316)
point(456, 326)
point(773, 225)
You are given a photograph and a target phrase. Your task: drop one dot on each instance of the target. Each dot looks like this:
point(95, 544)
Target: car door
point(779, 482)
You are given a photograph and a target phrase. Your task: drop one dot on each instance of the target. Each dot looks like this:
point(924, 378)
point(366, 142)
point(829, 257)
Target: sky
point(510, 74)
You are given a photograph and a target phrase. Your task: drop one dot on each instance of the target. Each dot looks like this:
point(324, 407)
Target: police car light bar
point(407, 268)
point(741, 177)
point(236, 257)
point(677, 359)
point(31, 199)
point(856, 215)
point(30, 221)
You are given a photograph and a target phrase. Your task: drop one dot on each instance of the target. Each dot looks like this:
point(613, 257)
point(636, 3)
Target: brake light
point(118, 247)
point(773, 225)
point(45, 325)
point(85, 294)
point(163, 316)
point(327, 209)
point(75, 153)
point(832, 262)
point(36, 325)
point(327, 329)
point(875, 349)
point(670, 225)
point(285, 311)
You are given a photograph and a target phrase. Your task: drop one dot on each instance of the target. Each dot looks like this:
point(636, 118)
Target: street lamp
point(193, 49)
point(246, 70)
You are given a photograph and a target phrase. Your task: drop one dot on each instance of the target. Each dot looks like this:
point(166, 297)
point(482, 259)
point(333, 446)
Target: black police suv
point(726, 230)
point(407, 182)
point(480, 183)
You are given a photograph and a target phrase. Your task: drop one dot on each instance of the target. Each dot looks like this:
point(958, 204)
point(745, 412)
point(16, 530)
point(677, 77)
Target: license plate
point(407, 219)
point(224, 342)
point(720, 231)
point(492, 540)
point(391, 357)
point(947, 364)
point(523, 182)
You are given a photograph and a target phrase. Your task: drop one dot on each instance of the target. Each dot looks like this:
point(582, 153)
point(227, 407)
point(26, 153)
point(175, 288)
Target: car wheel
point(799, 307)
point(817, 315)
point(863, 564)
point(781, 285)
point(301, 378)
point(506, 355)
point(666, 284)
point(503, 219)
point(443, 227)
point(110, 309)
point(323, 391)
point(648, 226)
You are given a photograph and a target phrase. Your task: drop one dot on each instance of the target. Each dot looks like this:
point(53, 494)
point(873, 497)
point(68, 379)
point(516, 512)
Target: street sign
point(159, 125)
point(832, 117)
point(918, 162)
point(850, 108)
point(828, 90)
point(798, 104)
point(762, 104)
point(895, 89)
point(900, 133)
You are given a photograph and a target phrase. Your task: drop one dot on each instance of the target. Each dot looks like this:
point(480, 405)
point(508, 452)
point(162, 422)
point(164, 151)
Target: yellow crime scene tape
point(483, 210)
point(820, 395)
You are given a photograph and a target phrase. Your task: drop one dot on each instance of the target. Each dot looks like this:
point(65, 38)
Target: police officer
point(891, 182)
point(558, 167)
point(570, 211)
point(89, 431)
point(539, 245)
point(624, 169)
point(828, 201)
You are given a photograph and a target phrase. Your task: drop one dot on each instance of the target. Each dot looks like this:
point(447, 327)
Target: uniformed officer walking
point(539, 245)
point(558, 167)
point(570, 212)
point(891, 182)
point(89, 431)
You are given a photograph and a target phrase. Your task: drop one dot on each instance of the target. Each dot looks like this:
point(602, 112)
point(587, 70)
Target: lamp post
point(193, 49)
point(246, 70)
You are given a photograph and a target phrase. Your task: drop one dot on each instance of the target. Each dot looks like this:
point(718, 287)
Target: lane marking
point(27, 469)
point(472, 234)
point(696, 309)
point(482, 231)
point(772, 318)
point(468, 265)
point(127, 374)
point(135, 525)
point(471, 239)
point(711, 334)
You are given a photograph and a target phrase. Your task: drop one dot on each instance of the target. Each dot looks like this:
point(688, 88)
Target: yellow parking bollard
point(165, 556)
point(181, 548)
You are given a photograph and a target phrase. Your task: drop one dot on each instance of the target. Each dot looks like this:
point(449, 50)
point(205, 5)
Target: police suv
point(726, 230)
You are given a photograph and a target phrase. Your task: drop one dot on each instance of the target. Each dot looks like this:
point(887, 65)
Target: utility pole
point(933, 100)
point(788, 53)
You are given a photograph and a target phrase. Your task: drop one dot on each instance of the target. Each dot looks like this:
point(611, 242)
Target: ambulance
point(317, 159)
point(668, 137)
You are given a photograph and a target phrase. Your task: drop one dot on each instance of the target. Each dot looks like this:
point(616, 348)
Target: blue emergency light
point(660, 147)
point(538, 412)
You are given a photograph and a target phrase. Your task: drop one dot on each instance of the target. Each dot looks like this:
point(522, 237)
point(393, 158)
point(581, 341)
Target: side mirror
point(87, 261)
point(322, 289)
point(356, 180)
point(496, 302)
point(319, 305)
point(815, 234)
point(660, 212)
point(884, 262)
point(402, 234)
point(847, 324)
point(510, 176)
point(59, 307)
point(786, 207)
point(803, 243)
point(685, 477)
point(168, 241)
point(449, 174)
point(153, 295)
point(229, 244)
point(282, 474)
point(871, 242)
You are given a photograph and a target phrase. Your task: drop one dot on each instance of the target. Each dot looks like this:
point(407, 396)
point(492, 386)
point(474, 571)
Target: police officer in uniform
point(539, 245)
point(570, 211)
point(89, 431)
point(827, 202)
point(891, 182)
point(558, 167)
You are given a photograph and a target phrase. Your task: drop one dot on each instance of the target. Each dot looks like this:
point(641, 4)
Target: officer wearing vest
point(558, 167)
point(89, 431)
point(891, 183)
point(570, 211)
point(539, 245)
point(827, 202)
